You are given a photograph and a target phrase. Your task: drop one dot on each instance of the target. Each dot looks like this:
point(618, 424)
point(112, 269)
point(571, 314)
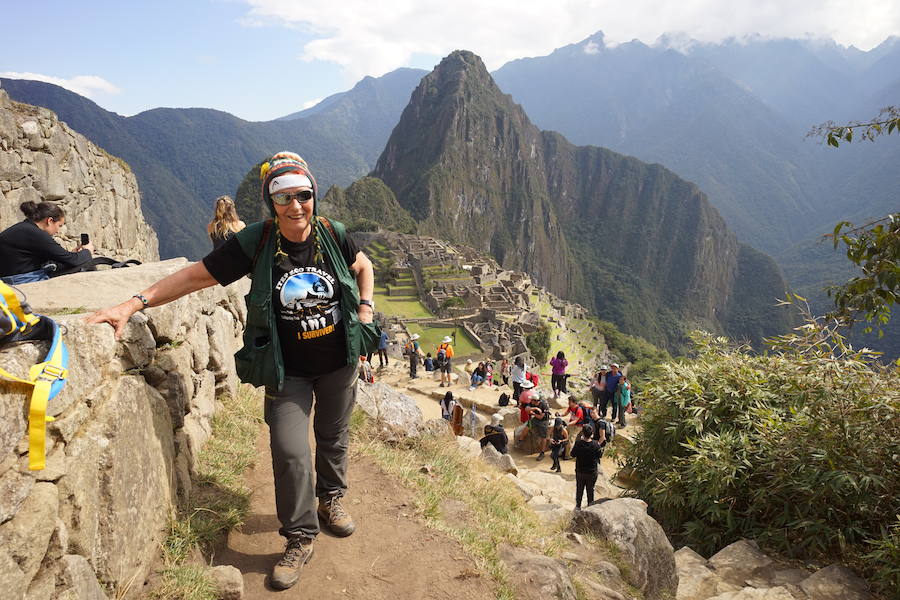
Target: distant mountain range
point(185, 158)
point(731, 117)
point(634, 242)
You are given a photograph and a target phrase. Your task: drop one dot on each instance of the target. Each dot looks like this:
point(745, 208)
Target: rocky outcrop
point(624, 523)
point(741, 571)
point(394, 411)
point(538, 577)
point(127, 431)
point(41, 158)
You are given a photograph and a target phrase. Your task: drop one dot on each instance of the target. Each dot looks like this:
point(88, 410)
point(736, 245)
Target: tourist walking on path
point(303, 340)
point(517, 373)
point(586, 452)
point(444, 362)
point(382, 350)
point(29, 245)
point(414, 352)
point(558, 374)
point(225, 222)
point(558, 442)
point(609, 391)
point(623, 398)
point(495, 435)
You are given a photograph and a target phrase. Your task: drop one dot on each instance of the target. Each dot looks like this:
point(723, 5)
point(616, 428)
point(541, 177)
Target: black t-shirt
point(586, 454)
point(305, 297)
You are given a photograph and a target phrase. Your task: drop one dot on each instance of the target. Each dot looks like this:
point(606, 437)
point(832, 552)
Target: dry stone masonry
point(129, 425)
point(41, 158)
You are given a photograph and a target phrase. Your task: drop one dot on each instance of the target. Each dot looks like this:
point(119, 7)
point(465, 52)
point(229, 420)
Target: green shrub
point(538, 343)
point(797, 448)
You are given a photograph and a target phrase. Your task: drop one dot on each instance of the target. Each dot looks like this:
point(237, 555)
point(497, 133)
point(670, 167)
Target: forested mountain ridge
point(185, 158)
point(634, 242)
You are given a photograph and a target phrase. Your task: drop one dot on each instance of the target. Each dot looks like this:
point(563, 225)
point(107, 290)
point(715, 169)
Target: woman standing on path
point(558, 375)
point(225, 222)
point(309, 318)
point(518, 377)
point(587, 453)
point(558, 442)
point(623, 398)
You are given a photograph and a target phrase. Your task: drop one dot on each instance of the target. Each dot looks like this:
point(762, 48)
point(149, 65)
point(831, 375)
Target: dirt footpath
point(391, 555)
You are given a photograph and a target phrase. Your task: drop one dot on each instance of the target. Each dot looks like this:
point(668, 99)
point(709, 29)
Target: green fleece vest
point(259, 362)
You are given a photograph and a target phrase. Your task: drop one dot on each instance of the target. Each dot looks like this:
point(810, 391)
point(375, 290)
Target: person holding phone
point(27, 249)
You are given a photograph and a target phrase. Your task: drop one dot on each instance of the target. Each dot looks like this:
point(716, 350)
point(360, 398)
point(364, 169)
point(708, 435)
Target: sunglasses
point(285, 199)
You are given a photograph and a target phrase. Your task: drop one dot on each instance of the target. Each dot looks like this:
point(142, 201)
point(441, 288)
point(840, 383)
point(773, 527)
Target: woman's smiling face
point(294, 218)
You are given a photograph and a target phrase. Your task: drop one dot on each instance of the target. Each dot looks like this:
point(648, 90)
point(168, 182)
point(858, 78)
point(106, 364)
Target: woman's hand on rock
point(117, 316)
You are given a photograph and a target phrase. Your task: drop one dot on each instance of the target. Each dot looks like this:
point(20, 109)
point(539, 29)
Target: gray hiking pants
point(287, 415)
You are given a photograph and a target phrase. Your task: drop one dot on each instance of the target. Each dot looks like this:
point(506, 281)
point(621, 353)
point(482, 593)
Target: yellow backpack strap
point(43, 375)
point(15, 306)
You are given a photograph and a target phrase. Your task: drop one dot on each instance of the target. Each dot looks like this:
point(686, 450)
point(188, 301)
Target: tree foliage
point(798, 448)
point(875, 246)
point(887, 121)
point(538, 342)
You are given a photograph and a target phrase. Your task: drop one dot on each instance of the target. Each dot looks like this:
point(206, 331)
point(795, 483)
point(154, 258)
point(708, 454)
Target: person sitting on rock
point(365, 370)
point(478, 376)
point(586, 452)
point(27, 249)
point(428, 363)
point(539, 419)
point(495, 434)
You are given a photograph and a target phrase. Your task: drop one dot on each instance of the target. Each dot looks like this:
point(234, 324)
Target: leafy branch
point(887, 122)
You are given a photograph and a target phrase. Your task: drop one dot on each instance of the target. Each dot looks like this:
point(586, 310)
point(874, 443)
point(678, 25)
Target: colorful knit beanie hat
point(281, 164)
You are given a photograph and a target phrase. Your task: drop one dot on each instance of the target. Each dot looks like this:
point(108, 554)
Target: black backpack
point(587, 414)
point(504, 399)
point(441, 359)
point(607, 426)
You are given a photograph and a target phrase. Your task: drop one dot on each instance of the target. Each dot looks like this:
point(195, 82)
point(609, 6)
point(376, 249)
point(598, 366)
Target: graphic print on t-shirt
point(306, 295)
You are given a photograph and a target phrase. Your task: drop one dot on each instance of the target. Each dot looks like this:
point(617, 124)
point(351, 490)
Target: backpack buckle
point(53, 373)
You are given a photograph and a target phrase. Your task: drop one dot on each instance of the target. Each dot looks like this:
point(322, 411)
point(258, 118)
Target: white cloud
point(366, 38)
point(311, 103)
point(85, 85)
point(591, 48)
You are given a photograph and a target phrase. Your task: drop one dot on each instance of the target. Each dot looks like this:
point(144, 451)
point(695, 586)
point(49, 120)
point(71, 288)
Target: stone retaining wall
point(41, 158)
point(129, 425)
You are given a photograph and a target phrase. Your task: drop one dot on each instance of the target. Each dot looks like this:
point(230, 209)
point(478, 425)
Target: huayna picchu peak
point(632, 241)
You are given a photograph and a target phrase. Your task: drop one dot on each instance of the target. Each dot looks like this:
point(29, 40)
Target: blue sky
point(262, 59)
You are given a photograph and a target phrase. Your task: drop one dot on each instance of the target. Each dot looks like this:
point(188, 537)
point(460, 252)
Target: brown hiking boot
point(334, 517)
point(287, 570)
